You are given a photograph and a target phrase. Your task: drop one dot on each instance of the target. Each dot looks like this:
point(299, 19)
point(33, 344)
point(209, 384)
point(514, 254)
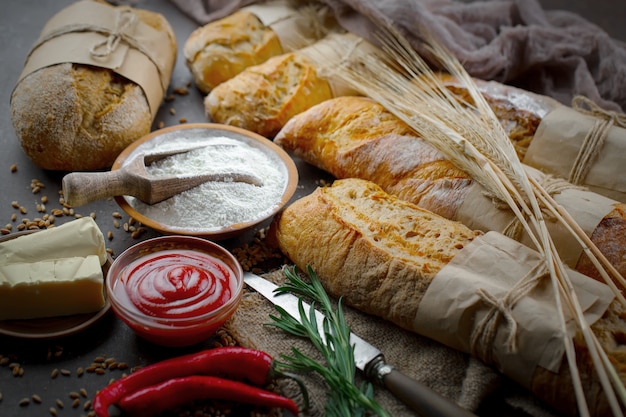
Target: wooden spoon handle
point(80, 188)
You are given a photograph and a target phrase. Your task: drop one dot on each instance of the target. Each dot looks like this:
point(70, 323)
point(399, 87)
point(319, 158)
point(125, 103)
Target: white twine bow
point(125, 20)
point(594, 140)
point(127, 28)
point(484, 333)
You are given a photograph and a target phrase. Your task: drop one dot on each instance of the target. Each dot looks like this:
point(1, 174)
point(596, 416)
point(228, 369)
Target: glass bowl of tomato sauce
point(175, 290)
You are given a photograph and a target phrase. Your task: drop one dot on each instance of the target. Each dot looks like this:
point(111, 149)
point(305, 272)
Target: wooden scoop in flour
point(132, 179)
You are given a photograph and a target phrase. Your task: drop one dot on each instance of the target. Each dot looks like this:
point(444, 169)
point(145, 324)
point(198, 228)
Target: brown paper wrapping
point(294, 27)
point(327, 47)
point(81, 34)
point(479, 212)
point(559, 138)
point(453, 305)
point(558, 141)
point(278, 16)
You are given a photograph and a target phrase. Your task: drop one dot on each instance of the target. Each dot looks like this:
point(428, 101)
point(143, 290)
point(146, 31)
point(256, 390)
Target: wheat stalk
point(473, 138)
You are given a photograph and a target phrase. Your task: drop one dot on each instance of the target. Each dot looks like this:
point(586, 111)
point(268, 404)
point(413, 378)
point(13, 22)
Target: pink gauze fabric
point(555, 53)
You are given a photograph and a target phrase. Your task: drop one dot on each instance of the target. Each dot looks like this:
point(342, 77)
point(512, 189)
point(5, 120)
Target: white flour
point(217, 204)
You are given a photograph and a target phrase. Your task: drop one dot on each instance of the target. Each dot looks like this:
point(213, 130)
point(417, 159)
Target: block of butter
point(53, 272)
point(81, 237)
point(57, 287)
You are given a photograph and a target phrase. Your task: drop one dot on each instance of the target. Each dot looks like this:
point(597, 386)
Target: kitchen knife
point(370, 360)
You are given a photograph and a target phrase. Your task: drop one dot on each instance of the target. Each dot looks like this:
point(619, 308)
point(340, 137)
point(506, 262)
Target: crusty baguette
point(357, 137)
point(539, 126)
point(381, 254)
point(520, 112)
point(72, 117)
point(354, 229)
point(219, 50)
point(262, 98)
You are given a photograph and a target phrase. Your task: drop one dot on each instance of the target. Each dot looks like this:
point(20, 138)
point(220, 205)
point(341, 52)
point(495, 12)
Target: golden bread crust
point(219, 50)
point(262, 98)
point(353, 230)
point(354, 136)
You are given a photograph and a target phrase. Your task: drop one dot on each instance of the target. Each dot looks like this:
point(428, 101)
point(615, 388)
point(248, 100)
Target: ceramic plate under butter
point(51, 327)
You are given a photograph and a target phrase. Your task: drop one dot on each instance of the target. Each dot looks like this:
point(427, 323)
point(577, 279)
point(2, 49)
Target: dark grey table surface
point(20, 24)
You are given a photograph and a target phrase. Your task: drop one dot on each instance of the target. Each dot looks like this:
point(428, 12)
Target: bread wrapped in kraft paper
point(92, 84)
point(219, 50)
point(355, 137)
point(262, 98)
point(483, 294)
point(589, 142)
point(583, 144)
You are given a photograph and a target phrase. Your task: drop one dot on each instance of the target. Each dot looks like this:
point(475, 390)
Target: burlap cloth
point(454, 375)
point(555, 53)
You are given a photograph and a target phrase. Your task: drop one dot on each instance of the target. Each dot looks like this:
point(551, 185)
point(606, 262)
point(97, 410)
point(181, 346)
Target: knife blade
point(370, 360)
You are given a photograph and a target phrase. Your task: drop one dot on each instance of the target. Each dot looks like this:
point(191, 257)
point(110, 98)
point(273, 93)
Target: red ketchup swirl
point(177, 284)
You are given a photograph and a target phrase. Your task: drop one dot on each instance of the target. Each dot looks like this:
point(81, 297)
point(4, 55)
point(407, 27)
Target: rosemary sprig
point(345, 398)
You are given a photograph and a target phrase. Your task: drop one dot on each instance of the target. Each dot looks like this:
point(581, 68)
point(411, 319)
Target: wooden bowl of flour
point(216, 209)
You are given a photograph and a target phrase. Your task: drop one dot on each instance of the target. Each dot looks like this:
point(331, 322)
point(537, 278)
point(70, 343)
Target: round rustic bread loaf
point(75, 117)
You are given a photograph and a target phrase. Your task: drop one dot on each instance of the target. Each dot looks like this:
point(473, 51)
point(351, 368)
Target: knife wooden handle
point(418, 397)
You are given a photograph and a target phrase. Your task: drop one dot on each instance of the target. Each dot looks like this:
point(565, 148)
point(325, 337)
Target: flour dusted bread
point(81, 120)
point(219, 50)
point(355, 137)
point(262, 98)
point(72, 116)
point(382, 255)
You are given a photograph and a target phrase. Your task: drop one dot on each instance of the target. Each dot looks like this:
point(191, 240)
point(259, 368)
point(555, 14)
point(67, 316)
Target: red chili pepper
point(235, 362)
point(180, 391)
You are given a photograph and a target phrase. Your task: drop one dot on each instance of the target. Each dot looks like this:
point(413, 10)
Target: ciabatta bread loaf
point(355, 137)
point(262, 98)
point(383, 256)
point(219, 50)
point(73, 116)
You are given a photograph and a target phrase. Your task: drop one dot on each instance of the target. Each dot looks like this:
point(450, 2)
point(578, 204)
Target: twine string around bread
point(594, 140)
point(125, 20)
point(552, 186)
point(484, 333)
